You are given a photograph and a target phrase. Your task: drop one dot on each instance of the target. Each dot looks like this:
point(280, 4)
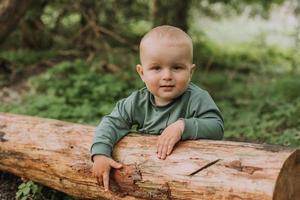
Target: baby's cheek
point(153, 84)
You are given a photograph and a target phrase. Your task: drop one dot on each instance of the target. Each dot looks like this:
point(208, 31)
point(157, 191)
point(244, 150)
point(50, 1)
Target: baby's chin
point(171, 97)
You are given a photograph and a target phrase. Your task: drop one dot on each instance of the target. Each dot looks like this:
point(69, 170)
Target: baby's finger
point(158, 146)
point(99, 180)
point(115, 164)
point(170, 148)
point(106, 181)
point(159, 150)
point(164, 151)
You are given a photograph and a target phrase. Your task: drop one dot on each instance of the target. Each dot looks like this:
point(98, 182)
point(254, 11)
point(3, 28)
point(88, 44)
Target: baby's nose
point(167, 74)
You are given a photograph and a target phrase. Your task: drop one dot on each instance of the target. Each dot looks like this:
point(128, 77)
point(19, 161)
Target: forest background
point(73, 60)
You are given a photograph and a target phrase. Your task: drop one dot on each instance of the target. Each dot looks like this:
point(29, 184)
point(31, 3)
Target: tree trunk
point(11, 11)
point(173, 13)
point(56, 154)
point(34, 33)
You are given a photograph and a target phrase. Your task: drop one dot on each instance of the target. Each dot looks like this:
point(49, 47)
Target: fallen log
point(56, 154)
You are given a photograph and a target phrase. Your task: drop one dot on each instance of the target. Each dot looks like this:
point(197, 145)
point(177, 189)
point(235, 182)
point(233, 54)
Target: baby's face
point(166, 69)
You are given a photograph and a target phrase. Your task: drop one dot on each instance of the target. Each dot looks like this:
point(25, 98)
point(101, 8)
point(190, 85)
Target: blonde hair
point(170, 33)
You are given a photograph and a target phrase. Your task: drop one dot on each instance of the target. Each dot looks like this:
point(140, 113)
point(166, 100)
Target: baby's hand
point(169, 137)
point(101, 169)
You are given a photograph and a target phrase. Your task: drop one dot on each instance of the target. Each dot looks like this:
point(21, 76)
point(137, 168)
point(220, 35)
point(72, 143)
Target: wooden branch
point(56, 154)
point(98, 30)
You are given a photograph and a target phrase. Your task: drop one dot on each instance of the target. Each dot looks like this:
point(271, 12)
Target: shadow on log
point(56, 154)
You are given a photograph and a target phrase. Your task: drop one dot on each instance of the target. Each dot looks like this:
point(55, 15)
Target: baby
point(169, 106)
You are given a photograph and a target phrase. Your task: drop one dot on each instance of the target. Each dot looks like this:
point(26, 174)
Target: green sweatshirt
point(201, 116)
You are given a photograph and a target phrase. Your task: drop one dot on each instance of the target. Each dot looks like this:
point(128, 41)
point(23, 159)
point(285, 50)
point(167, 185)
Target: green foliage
point(75, 91)
point(26, 56)
point(16, 62)
point(29, 190)
point(243, 58)
point(257, 108)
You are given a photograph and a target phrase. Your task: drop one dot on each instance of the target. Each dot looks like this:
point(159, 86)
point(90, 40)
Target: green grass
point(257, 108)
point(74, 91)
point(26, 56)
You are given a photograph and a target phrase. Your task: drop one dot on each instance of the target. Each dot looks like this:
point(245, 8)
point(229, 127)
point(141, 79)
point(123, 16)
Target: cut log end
point(288, 181)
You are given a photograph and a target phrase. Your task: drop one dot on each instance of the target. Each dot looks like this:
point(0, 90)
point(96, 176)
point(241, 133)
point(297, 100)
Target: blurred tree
point(88, 25)
point(173, 13)
point(11, 12)
point(34, 33)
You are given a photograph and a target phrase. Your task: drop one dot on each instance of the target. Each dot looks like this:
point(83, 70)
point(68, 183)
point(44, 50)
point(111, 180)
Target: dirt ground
point(9, 186)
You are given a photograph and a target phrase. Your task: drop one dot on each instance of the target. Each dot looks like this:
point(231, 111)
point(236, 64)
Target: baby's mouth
point(167, 86)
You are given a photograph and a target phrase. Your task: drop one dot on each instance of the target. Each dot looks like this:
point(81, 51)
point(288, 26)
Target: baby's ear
point(139, 69)
point(193, 67)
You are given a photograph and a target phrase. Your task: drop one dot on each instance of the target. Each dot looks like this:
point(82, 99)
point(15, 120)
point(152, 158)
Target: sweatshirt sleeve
point(112, 128)
point(206, 121)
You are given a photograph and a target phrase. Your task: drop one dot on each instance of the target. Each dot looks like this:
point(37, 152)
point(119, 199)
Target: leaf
point(18, 194)
point(22, 186)
point(34, 189)
point(26, 191)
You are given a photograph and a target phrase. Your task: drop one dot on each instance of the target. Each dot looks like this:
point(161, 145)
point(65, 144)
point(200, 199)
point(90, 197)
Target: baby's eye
point(177, 67)
point(155, 68)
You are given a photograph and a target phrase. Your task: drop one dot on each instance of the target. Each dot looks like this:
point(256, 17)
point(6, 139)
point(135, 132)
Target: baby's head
point(166, 55)
point(166, 34)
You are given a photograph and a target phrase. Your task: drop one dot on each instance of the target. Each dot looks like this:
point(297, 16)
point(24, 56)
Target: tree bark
point(11, 11)
point(56, 154)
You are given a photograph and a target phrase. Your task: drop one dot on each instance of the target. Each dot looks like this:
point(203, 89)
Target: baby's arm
point(205, 122)
point(111, 129)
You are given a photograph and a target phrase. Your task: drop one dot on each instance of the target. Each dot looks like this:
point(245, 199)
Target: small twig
point(97, 29)
point(80, 32)
point(204, 167)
